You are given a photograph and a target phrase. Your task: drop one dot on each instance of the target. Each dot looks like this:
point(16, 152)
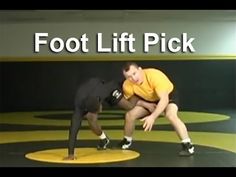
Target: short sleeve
point(127, 89)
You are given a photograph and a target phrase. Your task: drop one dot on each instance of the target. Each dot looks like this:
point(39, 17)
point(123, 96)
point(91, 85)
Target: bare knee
point(171, 116)
point(130, 117)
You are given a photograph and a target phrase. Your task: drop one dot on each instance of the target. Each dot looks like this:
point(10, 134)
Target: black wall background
point(36, 86)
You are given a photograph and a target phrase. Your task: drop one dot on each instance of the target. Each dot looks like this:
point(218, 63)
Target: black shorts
point(114, 97)
point(174, 97)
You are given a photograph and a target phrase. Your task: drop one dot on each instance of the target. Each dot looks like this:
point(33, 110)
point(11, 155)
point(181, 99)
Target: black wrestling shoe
point(125, 144)
point(187, 149)
point(102, 145)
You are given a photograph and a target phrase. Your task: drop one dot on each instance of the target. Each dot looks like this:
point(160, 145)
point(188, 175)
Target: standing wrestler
point(154, 86)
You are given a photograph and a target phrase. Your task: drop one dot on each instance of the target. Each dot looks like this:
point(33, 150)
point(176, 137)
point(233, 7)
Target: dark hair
point(92, 104)
point(127, 66)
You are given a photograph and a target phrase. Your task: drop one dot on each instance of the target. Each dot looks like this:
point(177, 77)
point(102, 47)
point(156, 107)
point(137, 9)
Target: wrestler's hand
point(70, 157)
point(148, 123)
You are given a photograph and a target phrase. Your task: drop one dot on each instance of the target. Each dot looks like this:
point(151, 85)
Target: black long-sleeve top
point(93, 87)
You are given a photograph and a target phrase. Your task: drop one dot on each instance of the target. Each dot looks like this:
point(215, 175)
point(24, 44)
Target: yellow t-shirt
point(154, 81)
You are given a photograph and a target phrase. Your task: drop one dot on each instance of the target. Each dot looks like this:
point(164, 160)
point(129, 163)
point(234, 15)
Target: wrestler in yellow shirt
point(154, 82)
point(154, 86)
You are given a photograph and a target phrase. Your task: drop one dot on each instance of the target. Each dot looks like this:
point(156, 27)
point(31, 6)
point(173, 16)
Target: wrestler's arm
point(74, 128)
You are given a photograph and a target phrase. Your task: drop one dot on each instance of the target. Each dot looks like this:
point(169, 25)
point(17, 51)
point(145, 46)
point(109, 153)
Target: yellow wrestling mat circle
point(84, 155)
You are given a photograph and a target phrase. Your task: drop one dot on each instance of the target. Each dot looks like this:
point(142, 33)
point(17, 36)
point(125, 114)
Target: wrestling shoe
point(187, 149)
point(125, 144)
point(102, 145)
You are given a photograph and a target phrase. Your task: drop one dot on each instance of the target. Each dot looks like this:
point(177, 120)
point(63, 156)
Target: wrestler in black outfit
point(88, 103)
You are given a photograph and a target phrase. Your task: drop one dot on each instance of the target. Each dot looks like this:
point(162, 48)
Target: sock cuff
point(186, 140)
point(102, 136)
point(128, 138)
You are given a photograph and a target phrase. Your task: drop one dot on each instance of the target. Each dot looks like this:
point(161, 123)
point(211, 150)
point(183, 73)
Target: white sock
point(128, 138)
point(186, 140)
point(102, 136)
